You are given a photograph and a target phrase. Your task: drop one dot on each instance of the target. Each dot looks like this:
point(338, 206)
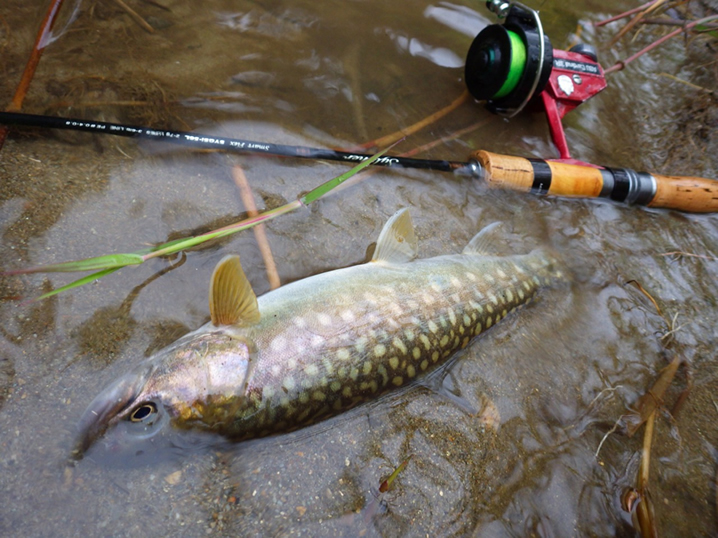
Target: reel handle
point(691, 194)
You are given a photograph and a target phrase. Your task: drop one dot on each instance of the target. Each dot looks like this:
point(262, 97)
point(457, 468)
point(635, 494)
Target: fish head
point(198, 383)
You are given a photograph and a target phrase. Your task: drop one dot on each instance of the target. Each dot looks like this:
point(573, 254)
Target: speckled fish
point(321, 345)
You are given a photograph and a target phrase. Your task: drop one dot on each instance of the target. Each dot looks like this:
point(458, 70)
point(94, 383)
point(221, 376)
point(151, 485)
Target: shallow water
point(505, 443)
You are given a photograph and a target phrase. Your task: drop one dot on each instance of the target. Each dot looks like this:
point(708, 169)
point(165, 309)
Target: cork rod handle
point(692, 194)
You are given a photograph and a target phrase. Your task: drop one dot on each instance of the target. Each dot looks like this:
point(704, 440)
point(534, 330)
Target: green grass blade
point(181, 244)
point(324, 188)
point(112, 262)
point(77, 283)
point(90, 264)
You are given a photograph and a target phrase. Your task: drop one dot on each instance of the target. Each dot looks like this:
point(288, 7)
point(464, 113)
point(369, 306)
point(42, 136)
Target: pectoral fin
point(397, 241)
point(231, 298)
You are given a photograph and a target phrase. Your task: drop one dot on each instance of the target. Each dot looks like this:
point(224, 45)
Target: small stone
point(173, 478)
point(301, 510)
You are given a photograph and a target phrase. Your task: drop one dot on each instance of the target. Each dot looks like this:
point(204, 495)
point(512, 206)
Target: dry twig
point(245, 192)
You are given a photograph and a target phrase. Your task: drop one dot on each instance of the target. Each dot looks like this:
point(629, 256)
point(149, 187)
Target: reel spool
point(508, 64)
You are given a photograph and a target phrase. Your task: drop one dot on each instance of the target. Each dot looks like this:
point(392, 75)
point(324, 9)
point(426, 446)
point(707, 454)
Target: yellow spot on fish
point(324, 319)
point(316, 341)
point(442, 320)
point(292, 363)
point(343, 354)
point(489, 321)
point(409, 335)
point(432, 326)
point(367, 367)
point(311, 369)
point(335, 386)
point(354, 373)
point(500, 273)
point(461, 329)
point(494, 299)
point(467, 320)
point(455, 282)
point(342, 371)
point(289, 383)
point(425, 340)
point(444, 340)
point(470, 276)
point(456, 342)
point(509, 295)
point(398, 344)
point(398, 380)
point(424, 364)
point(373, 386)
point(379, 350)
point(527, 285)
point(347, 316)
point(394, 362)
point(368, 297)
point(489, 278)
point(490, 308)
point(521, 293)
point(278, 344)
point(416, 352)
point(383, 373)
point(347, 392)
point(328, 366)
point(536, 280)
point(303, 397)
point(411, 371)
point(360, 344)
point(267, 392)
point(465, 342)
point(300, 322)
point(427, 298)
point(436, 287)
point(452, 317)
point(435, 356)
point(503, 314)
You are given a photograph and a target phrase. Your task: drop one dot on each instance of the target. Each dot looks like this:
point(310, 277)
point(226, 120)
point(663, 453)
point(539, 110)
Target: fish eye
point(143, 411)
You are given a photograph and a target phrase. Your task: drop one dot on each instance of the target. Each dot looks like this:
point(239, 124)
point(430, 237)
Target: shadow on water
point(506, 442)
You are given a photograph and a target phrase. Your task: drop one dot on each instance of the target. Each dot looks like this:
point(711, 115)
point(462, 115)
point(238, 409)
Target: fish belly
point(330, 342)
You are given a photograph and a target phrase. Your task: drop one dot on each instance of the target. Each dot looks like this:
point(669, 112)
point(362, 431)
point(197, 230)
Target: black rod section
point(197, 140)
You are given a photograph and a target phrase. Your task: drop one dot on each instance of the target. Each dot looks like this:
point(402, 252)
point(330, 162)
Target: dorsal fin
point(397, 241)
point(487, 242)
point(231, 298)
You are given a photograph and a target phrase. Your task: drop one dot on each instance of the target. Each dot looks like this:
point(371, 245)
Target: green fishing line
point(518, 63)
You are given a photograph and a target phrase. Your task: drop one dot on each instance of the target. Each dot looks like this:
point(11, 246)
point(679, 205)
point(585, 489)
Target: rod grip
point(694, 194)
point(539, 176)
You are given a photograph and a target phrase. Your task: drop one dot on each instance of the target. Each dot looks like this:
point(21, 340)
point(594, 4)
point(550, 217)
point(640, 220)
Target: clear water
point(545, 385)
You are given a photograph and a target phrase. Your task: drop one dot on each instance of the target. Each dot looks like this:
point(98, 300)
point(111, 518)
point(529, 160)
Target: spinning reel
point(512, 65)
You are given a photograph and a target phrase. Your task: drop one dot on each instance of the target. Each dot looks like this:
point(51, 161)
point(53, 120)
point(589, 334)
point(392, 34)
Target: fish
point(320, 346)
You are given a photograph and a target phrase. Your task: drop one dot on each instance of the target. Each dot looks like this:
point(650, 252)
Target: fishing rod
point(510, 66)
point(538, 176)
point(216, 142)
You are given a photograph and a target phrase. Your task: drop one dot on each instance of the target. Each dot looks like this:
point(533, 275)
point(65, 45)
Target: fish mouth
point(105, 407)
